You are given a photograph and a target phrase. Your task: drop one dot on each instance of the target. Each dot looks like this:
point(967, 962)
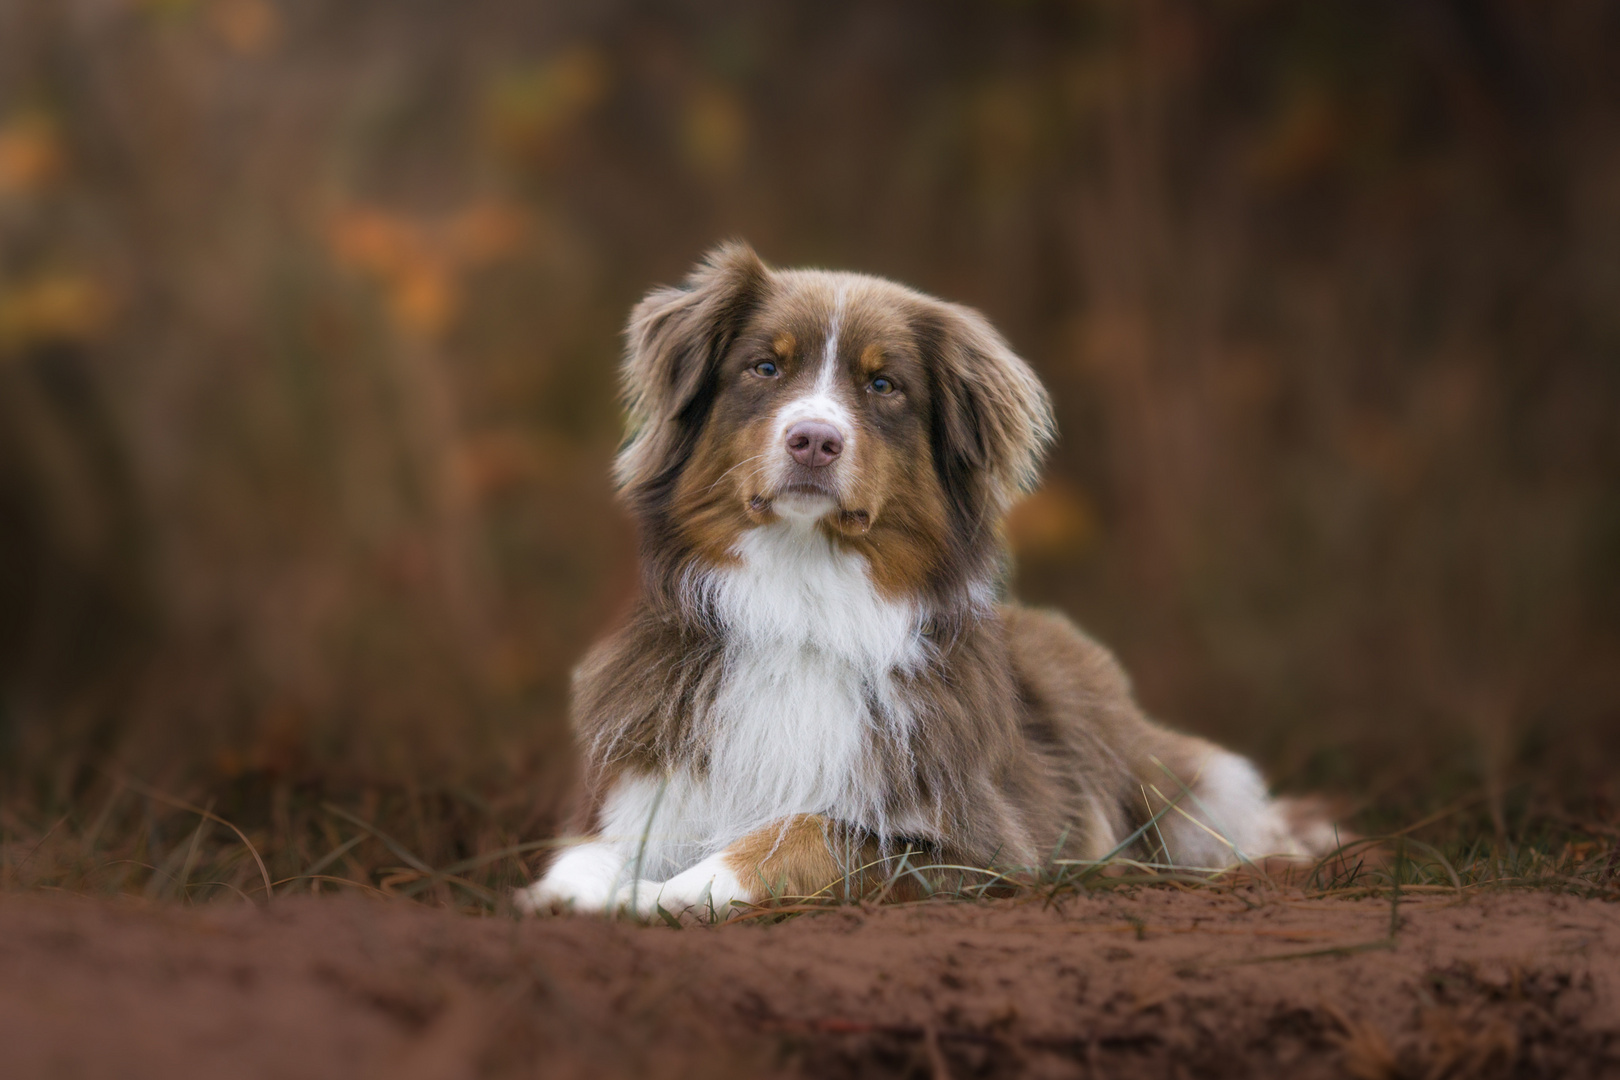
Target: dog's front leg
point(800, 857)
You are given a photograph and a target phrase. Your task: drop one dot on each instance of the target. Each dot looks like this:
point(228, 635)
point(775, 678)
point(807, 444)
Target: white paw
point(706, 891)
point(589, 878)
point(544, 897)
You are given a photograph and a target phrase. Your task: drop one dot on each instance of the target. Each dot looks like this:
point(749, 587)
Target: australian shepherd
point(821, 689)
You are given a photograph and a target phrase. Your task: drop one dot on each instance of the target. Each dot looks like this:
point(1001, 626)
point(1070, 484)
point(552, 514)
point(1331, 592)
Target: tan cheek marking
point(909, 525)
point(874, 472)
point(871, 360)
point(709, 505)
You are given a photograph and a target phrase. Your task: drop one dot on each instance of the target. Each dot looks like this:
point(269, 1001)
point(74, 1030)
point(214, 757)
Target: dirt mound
point(1152, 982)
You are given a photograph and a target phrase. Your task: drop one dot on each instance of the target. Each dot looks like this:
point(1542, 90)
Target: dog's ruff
point(818, 692)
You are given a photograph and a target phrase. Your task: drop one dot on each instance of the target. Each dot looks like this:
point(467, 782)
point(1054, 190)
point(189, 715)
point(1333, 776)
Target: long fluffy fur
point(797, 691)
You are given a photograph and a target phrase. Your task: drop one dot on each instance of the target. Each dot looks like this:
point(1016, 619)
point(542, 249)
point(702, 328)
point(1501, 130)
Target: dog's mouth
point(808, 490)
point(812, 497)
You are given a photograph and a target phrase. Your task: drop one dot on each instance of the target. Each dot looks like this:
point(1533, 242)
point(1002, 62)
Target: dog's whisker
point(745, 461)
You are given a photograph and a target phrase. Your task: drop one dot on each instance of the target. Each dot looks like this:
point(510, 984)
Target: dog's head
point(898, 424)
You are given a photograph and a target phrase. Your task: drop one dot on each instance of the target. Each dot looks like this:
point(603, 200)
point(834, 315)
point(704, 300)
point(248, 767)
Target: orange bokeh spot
point(30, 154)
point(420, 263)
point(59, 307)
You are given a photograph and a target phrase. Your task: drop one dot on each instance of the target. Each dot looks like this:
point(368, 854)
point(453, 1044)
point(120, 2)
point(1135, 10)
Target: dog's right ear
point(674, 341)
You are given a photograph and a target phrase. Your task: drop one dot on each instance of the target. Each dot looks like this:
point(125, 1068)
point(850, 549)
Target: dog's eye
point(765, 369)
point(883, 385)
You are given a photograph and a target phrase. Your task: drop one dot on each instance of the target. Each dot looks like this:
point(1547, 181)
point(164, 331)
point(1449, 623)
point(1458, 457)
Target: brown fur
point(1030, 745)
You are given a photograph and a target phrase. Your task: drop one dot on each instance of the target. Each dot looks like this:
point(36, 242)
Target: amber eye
point(765, 369)
point(882, 385)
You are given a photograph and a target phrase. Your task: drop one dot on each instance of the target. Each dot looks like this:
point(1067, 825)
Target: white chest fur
point(811, 653)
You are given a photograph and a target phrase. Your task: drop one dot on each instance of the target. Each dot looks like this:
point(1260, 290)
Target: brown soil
point(1150, 982)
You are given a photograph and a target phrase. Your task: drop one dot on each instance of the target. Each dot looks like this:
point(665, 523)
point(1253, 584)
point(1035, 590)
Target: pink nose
point(814, 443)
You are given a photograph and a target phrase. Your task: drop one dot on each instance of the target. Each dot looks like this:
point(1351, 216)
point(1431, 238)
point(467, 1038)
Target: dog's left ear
point(992, 419)
point(673, 344)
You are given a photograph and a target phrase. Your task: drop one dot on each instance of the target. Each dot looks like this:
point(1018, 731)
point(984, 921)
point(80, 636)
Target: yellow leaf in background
point(1056, 522)
point(61, 307)
point(423, 299)
point(30, 154)
point(248, 27)
point(419, 262)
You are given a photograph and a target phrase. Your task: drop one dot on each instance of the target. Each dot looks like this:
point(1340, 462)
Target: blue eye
point(765, 368)
point(882, 385)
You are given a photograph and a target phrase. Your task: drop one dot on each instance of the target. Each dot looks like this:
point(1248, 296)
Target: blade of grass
point(399, 850)
point(330, 878)
point(332, 856)
point(1141, 831)
point(488, 857)
point(1164, 847)
point(191, 852)
point(181, 804)
point(641, 848)
point(88, 842)
point(41, 841)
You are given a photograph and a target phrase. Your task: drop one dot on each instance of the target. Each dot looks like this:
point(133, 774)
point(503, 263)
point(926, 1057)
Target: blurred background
point(310, 313)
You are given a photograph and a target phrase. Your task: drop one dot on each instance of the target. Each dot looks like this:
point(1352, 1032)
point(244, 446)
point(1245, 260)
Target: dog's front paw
point(590, 878)
point(709, 890)
point(547, 897)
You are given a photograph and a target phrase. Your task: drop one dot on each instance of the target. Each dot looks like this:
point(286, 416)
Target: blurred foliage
point(309, 314)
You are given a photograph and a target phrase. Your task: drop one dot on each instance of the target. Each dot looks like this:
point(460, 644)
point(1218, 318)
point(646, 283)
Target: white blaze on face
point(822, 400)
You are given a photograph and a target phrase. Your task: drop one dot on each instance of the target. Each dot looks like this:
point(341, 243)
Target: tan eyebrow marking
point(784, 345)
point(871, 359)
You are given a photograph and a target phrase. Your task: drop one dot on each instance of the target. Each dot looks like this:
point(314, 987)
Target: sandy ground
point(1151, 982)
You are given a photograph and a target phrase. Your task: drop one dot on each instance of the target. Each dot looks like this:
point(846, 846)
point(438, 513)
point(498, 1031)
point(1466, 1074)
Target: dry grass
point(456, 851)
